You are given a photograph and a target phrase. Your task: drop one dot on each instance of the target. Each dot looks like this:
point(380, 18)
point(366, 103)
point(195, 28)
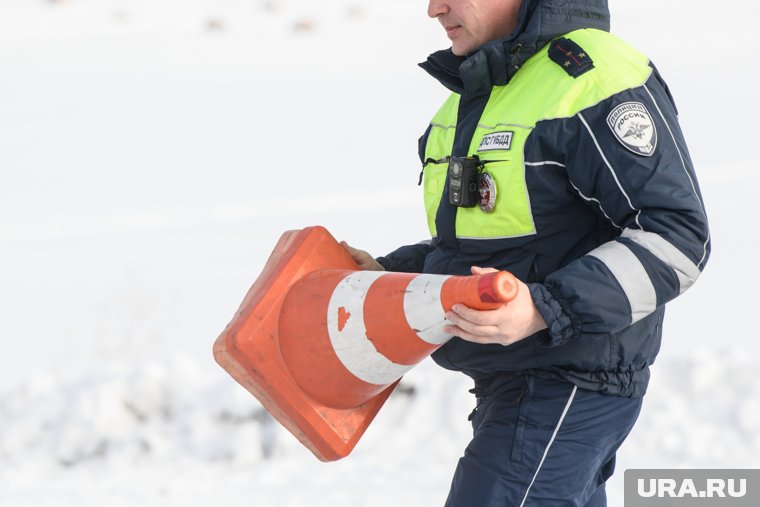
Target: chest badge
point(496, 141)
point(487, 192)
point(634, 128)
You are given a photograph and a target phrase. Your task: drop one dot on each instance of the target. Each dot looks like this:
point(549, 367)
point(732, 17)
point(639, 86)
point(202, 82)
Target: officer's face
point(471, 23)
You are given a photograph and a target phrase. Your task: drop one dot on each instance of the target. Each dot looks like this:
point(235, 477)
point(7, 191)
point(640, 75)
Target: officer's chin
point(461, 49)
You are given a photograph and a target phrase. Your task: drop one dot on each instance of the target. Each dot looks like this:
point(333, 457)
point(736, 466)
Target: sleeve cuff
point(561, 325)
point(385, 263)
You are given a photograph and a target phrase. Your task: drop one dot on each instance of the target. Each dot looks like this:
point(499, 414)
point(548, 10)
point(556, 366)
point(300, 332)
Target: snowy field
point(152, 152)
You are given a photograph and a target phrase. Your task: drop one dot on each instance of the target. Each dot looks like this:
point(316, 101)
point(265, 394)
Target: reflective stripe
point(423, 309)
point(444, 127)
point(351, 345)
point(549, 445)
point(497, 237)
point(591, 199)
point(683, 164)
point(678, 150)
point(704, 249)
point(631, 275)
point(488, 127)
point(687, 271)
point(609, 166)
point(545, 162)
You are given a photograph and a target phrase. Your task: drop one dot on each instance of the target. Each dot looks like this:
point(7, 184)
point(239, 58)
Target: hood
point(494, 63)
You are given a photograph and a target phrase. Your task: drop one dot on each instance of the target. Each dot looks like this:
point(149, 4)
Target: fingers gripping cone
point(322, 345)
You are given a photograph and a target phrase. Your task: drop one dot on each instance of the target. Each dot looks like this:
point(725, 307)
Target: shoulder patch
point(570, 56)
point(634, 128)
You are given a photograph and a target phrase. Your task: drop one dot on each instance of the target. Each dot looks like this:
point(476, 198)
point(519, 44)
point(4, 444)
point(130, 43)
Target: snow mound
point(178, 410)
point(168, 411)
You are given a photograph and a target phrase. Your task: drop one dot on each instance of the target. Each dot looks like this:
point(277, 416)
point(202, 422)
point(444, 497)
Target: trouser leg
point(554, 447)
point(599, 498)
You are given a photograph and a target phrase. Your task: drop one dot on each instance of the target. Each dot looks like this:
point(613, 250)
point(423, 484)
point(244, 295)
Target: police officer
point(558, 156)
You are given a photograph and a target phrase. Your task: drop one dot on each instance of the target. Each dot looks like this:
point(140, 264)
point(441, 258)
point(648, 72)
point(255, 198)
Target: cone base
point(249, 350)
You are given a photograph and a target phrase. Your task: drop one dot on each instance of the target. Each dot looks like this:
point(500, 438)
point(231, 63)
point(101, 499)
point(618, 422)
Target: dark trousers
point(540, 442)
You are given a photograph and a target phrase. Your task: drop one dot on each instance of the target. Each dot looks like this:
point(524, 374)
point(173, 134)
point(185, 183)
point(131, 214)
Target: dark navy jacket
point(618, 234)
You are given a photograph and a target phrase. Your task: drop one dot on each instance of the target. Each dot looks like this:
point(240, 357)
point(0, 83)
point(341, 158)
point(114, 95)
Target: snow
point(174, 431)
point(152, 152)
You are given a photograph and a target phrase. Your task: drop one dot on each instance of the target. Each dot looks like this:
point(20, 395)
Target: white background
point(152, 152)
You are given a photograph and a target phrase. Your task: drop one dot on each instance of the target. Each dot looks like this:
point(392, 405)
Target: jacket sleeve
point(408, 258)
point(637, 173)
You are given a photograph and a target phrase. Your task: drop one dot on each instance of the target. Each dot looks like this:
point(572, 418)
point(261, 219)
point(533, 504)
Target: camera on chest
point(464, 181)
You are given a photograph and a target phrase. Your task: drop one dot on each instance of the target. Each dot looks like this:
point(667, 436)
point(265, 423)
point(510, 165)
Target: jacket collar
point(494, 63)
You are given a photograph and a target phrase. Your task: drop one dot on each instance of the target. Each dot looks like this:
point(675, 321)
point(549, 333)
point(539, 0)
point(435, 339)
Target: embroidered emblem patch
point(634, 128)
point(496, 141)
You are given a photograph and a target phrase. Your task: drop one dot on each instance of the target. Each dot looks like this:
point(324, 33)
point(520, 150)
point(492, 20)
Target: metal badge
point(487, 192)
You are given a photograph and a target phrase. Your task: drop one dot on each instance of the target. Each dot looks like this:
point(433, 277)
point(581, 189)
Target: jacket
point(612, 225)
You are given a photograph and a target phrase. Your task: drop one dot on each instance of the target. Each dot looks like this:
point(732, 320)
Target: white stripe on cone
point(423, 309)
point(357, 353)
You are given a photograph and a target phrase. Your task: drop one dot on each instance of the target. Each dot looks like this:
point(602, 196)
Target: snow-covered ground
point(152, 152)
point(171, 431)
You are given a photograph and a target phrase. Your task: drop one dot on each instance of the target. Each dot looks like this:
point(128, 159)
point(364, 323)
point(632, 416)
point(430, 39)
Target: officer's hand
point(362, 258)
point(506, 325)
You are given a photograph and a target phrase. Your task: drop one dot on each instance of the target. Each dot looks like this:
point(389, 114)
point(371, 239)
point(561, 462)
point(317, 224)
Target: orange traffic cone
point(322, 344)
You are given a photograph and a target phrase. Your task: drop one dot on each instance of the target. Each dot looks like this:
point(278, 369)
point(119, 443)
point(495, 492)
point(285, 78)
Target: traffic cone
point(323, 344)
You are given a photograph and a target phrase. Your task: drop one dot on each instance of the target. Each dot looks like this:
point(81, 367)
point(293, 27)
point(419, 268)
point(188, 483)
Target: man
point(557, 157)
